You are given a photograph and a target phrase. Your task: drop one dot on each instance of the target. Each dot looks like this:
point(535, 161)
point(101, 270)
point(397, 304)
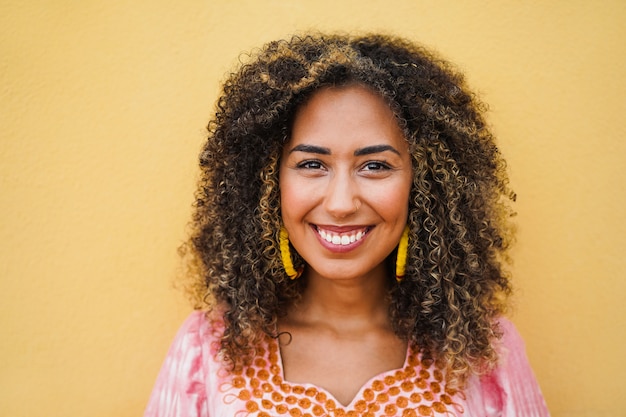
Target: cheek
point(399, 194)
point(293, 199)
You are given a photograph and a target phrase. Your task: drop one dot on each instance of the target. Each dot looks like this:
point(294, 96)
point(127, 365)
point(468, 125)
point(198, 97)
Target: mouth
point(343, 236)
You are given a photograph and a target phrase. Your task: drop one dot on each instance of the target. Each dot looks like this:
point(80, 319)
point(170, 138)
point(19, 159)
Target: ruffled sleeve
point(511, 390)
point(180, 387)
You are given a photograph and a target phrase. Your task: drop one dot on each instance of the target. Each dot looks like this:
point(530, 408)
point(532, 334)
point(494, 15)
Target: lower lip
point(339, 248)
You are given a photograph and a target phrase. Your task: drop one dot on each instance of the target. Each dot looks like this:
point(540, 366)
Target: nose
point(341, 198)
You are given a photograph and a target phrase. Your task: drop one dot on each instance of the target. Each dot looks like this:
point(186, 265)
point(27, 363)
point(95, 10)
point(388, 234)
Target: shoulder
point(193, 324)
point(511, 388)
point(197, 322)
point(511, 349)
point(193, 341)
point(181, 383)
point(511, 341)
point(200, 332)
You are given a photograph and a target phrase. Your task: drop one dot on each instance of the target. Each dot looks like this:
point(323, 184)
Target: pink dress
point(194, 383)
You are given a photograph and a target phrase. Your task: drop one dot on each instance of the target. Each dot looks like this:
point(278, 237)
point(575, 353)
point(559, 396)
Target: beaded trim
point(417, 389)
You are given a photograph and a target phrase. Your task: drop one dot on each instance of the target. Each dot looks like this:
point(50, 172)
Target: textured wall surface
point(102, 112)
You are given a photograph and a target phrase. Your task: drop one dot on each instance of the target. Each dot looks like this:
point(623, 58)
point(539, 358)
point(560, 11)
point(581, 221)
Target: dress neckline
point(359, 394)
point(416, 389)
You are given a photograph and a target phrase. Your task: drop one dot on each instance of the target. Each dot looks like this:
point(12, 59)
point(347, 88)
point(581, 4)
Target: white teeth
point(343, 240)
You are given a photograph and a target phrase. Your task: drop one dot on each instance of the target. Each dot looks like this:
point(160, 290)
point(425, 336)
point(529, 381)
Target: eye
point(310, 164)
point(376, 166)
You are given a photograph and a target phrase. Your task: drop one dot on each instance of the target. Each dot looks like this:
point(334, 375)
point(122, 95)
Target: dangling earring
point(403, 248)
point(286, 255)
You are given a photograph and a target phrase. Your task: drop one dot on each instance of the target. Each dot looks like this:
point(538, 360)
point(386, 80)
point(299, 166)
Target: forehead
point(346, 115)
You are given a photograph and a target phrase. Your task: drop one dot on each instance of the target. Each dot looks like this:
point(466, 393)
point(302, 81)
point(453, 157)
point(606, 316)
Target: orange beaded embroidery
point(417, 389)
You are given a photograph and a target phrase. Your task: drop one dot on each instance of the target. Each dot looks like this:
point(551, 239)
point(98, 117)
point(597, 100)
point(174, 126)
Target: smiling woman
point(345, 160)
point(350, 230)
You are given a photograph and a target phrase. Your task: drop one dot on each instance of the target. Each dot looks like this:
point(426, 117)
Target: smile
point(342, 238)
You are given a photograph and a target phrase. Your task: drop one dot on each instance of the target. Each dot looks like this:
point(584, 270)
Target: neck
point(345, 302)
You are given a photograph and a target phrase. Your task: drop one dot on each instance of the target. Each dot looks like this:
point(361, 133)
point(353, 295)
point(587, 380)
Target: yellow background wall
point(102, 112)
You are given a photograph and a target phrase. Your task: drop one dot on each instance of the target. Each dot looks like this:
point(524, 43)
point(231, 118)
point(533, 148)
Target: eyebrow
point(368, 150)
point(310, 149)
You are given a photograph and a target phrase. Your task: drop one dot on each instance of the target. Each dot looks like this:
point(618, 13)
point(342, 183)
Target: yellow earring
point(403, 248)
point(286, 255)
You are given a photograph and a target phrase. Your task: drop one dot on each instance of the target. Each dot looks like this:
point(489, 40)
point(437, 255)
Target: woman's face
point(345, 179)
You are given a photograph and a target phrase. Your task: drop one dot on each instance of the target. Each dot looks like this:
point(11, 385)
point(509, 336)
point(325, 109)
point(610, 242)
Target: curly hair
point(455, 285)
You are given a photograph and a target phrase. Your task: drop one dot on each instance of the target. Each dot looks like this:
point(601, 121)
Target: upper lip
point(341, 229)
